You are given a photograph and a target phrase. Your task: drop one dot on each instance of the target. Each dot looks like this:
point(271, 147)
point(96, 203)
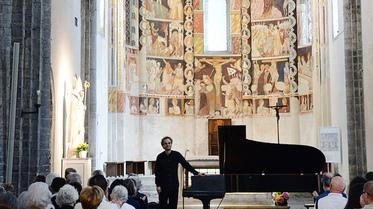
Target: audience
point(140, 197)
point(91, 197)
point(39, 178)
point(131, 187)
point(101, 182)
point(355, 190)
point(49, 178)
point(119, 196)
point(67, 197)
point(69, 170)
point(8, 201)
point(38, 196)
point(73, 177)
point(367, 196)
point(335, 198)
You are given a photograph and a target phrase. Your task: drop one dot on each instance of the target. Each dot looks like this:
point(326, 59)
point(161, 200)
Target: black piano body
point(252, 166)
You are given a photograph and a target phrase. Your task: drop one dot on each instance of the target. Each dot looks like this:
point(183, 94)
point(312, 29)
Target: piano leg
point(206, 203)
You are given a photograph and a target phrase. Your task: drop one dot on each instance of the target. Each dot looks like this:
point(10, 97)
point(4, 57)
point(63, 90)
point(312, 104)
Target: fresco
point(218, 86)
point(270, 77)
point(165, 76)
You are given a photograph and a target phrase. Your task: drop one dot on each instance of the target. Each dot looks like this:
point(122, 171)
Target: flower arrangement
point(280, 198)
point(82, 147)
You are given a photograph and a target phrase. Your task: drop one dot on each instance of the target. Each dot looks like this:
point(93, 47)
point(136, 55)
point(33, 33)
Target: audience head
point(325, 180)
point(8, 201)
point(22, 200)
point(115, 183)
point(91, 197)
point(38, 196)
point(39, 178)
point(69, 170)
point(367, 195)
point(98, 180)
point(136, 179)
point(2, 189)
point(337, 185)
point(369, 176)
point(67, 196)
point(355, 190)
point(8, 187)
point(131, 187)
point(98, 172)
point(49, 178)
point(119, 195)
point(77, 186)
point(57, 183)
point(73, 177)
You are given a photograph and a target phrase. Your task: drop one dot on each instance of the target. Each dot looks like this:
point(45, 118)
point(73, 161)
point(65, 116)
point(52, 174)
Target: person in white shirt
point(367, 196)
point(119, 196)
point(335, 198)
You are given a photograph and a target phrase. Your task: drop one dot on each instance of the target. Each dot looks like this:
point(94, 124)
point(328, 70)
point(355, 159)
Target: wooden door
point(213, 134)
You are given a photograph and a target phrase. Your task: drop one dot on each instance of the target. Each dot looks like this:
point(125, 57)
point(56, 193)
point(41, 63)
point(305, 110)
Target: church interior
point(119, 75)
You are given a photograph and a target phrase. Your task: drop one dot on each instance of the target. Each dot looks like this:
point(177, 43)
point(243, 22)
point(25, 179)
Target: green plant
point(82, 147)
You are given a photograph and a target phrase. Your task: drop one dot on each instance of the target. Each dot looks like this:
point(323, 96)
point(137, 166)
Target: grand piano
point(252, 166)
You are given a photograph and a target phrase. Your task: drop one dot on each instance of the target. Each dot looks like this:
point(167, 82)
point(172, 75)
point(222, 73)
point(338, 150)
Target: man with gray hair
point(335, 198)
point(367, 196)
point(119, 196)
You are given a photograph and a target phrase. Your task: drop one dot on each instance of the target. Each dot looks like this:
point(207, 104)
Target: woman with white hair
point(67, 197)
point(38, 196)
point(119, 196)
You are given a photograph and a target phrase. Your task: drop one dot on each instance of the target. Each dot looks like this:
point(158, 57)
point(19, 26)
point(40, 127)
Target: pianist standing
point(166, 176)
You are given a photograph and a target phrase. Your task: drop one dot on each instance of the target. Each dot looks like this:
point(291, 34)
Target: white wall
point(337, 81)
point(367, 42)
point(66, 58)
point(101, 108)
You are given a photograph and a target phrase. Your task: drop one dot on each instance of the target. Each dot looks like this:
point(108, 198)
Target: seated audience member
point(67, 197)
point(73, 177)
point(116, 182)
point(38, 196)
point(91, 197)
point(369, 176)
point(140, 197)
point(39, 178)
point(100, 181)
point(8, 187)
point(57, 183)
point(98, 172)
point(69, 170)
point(355, 190)
point(77, 186)
point(367, 196)
point(131, 188)
point(22, 198)
point(49, 178)
point(119, 196)
point(2, 189)
point(8, 201)
point(335, 199)
point(325, 181)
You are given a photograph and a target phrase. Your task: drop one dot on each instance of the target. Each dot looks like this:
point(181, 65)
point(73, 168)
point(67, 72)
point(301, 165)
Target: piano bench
point(309, 205)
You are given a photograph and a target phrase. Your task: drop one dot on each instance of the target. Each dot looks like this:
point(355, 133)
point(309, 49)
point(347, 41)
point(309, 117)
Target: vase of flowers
point(82, 150)
point(281, 198)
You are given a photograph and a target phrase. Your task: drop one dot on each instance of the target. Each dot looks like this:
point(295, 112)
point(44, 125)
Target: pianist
point(166, 177)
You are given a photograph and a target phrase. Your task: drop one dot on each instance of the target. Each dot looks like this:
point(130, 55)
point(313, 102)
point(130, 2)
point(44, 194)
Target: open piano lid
point(264, 167)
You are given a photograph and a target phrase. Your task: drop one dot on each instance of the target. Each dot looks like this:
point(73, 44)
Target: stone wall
point(355, 88)
point(26, 22)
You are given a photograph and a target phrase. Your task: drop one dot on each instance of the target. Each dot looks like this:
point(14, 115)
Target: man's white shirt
point(333, 200)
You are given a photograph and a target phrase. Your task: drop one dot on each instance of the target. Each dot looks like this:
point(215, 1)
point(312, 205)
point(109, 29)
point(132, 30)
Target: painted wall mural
point(265, 67)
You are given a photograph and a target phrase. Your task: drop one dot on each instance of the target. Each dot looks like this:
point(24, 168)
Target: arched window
point(216, 26)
